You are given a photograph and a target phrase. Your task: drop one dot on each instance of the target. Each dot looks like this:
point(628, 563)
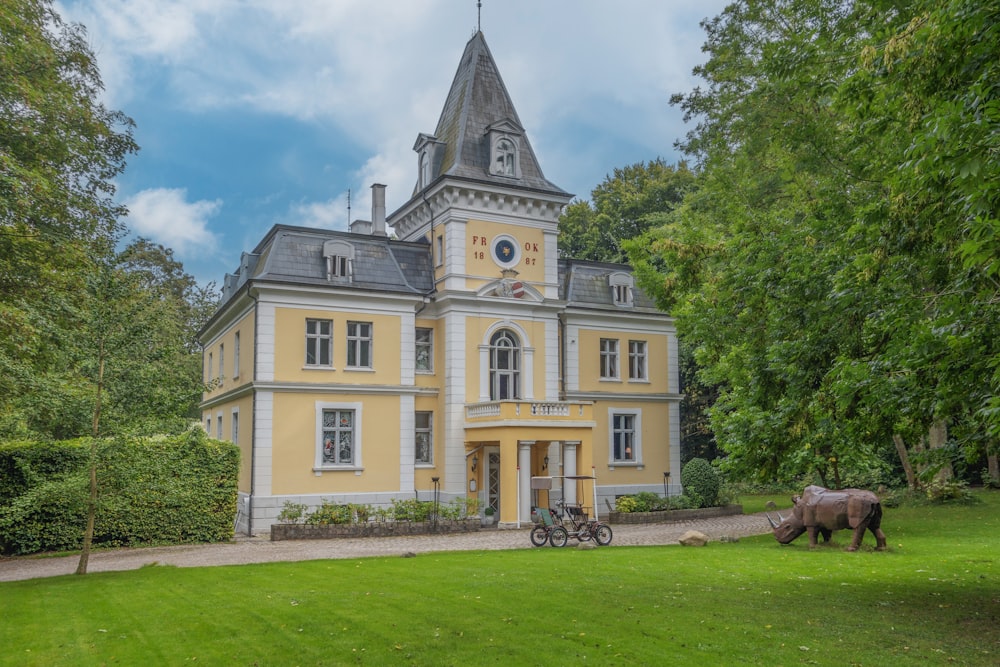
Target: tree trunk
point(904, 458)
point(88, 533)
point(993, 468)
point(937, 437)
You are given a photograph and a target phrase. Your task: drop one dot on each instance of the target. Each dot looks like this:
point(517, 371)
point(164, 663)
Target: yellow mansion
point(458, 351)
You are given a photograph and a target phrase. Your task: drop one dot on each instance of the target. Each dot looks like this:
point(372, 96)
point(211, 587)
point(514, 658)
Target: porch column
point(524, 480)
point(569, 469)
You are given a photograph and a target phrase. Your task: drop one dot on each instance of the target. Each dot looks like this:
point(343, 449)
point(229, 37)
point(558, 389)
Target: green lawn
point(933, 598)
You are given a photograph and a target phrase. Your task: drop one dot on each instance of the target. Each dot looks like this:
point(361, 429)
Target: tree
point(624, 206)
point(60, 150)
point(824, 266)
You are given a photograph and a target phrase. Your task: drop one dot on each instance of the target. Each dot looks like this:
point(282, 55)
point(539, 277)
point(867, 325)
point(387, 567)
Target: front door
point(493, 480)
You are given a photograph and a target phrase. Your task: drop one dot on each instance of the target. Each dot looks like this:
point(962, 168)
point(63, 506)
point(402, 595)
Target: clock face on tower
point(506, 251)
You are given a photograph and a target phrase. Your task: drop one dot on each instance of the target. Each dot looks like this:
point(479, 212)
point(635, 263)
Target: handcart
point(556, 526)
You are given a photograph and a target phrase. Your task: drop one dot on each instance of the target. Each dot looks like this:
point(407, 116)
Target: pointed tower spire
point(479, 135)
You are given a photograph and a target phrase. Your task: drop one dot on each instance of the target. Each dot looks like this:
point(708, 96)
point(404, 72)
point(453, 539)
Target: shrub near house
point(152, 490)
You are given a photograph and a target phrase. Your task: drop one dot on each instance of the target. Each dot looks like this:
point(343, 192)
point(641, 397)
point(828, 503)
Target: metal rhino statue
point(820, 511)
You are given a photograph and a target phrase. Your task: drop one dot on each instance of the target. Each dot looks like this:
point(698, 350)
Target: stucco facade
point(443, 344)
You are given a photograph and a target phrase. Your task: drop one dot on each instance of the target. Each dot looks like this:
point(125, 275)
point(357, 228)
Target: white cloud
point(164, 216)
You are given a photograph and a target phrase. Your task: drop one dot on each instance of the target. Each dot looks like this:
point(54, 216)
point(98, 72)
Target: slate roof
point(295, 255)
point(478, 99)
point(584, 283)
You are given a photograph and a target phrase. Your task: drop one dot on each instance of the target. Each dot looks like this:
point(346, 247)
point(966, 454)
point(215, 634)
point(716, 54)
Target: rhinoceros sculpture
point(820, 511)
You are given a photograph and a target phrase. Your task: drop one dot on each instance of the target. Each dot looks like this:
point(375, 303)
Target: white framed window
point(625, 436)
point(424, 352)
point(234, 431)
point(425, 169)
point(208, 374)
point(339, 256)
point(424, 438)
point(609, 359)
point(319, 342)
point(218, 426)
point(222, 363)
point(505, 366)
point(504, 158)
point(637, 360)
point(439, 250)
point(236, 355)
point(338, 435)
point(622, 288)
point(359, 344)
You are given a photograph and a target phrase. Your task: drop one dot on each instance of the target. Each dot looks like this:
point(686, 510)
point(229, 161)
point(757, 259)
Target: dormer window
point(622, 285)
point(339, 256)
point(504, 158)
point(504, 137)
point(429, 151)
point(425, 169)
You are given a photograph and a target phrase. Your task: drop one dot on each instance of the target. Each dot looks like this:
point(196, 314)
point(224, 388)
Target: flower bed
point(302, 531)
point(668, 516)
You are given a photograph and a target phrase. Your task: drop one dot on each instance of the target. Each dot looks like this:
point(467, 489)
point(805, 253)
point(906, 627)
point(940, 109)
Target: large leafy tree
point(92, 339)
point(625, 205)
point(837, 264)
point(60, 150)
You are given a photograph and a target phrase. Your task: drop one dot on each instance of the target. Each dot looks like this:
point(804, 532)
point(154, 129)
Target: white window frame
point(610, 361)
point(222, 362)
point(426, 346)
point(504, 159)
point(356, 463)
point(513, 374)
point(319, 339)
point(622, 288)
point(218, 426)
point(417, 431)
point(339, 256)
point(234, 426)
point(236, 355)
point(636, 432)
point(638, 361)
point(358, 342)
point(208, 375)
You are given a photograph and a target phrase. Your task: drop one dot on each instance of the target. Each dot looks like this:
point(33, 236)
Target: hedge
point(160, 490)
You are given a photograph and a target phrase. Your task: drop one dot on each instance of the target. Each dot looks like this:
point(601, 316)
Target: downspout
point(562, 357)
point(253, 412)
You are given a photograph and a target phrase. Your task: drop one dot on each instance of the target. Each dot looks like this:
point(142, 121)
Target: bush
point(684, 502)
point(330, 513)
point(701, 482)
point(948, 490)
point(411, 510)
point(291, 512)
point(161, 490)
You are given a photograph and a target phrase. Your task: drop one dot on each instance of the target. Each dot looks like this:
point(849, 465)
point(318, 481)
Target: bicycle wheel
point(539, 536)
point(558, 537)
point(603, 534)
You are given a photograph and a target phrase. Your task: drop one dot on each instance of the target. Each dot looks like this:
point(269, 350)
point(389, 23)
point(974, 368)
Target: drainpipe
point(253, 411)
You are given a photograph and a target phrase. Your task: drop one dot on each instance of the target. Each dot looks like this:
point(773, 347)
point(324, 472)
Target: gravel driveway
point(245, 550)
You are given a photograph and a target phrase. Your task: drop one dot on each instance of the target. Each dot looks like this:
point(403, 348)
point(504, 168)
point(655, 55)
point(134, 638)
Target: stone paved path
point(262, 550)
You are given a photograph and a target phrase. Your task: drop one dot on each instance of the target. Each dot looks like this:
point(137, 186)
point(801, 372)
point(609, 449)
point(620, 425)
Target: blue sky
point(251, 113)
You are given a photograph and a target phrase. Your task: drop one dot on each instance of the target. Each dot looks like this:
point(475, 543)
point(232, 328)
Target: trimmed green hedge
point(160, 490)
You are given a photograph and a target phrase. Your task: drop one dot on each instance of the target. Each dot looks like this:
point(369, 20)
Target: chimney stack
point(378, 210)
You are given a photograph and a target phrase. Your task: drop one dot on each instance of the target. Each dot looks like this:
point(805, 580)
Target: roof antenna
point(348, 207)
point(479, 16)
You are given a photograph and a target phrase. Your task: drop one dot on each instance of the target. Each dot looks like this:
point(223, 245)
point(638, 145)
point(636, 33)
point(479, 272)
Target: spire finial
point(479, 16)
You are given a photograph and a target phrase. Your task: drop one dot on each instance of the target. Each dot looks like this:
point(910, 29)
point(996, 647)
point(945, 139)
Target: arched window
point(425, 169)
point(503, 159)
point(505, 366)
